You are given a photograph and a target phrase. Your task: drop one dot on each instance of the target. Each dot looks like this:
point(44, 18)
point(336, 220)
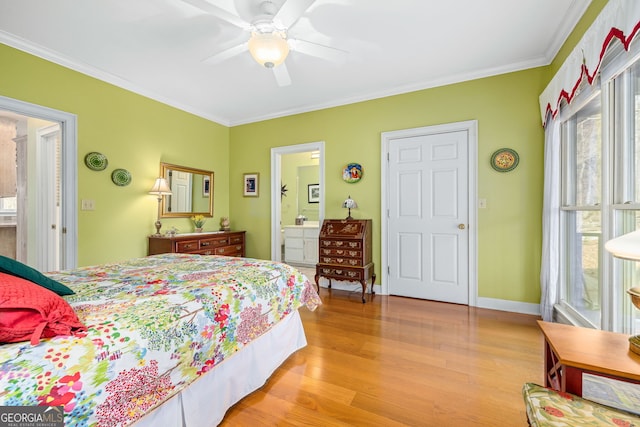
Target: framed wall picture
point(206, 185)
point(250, 184)
point(313, 191)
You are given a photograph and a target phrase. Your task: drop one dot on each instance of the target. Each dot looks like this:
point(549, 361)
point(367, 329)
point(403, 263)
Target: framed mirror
point(192, 191)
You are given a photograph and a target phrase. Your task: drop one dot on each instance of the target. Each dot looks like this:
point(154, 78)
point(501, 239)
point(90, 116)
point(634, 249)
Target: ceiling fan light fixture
point(269, 49)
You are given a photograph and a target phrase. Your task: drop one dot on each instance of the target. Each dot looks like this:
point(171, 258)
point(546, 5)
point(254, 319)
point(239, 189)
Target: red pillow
point(29, 312)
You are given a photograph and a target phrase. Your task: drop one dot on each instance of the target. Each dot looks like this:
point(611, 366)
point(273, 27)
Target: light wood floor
point(398, 361)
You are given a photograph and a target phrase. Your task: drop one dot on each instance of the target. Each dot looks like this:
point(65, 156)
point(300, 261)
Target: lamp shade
point(160, 188)
point(269, 49)
point(349, 203)
point(626, 246)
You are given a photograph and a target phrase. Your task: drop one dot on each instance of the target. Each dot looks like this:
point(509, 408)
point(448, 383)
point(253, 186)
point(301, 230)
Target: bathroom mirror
point(192, 191)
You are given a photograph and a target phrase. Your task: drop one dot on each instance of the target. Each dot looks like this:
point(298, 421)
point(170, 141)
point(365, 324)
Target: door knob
point(461, 226)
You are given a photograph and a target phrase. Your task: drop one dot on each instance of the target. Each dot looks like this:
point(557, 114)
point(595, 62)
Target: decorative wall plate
point(352, 172)
point(121, 177)
point(504, 160)
point(96, 161)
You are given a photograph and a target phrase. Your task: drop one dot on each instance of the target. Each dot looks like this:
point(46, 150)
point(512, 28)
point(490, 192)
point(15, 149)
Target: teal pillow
point(18, 269)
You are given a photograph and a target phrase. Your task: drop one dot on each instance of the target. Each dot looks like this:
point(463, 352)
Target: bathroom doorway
point(38, 185)
point(297, 189)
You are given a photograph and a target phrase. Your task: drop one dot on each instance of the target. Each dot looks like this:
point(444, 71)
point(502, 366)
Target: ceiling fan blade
point(218, 12)
point(282, 75)
point(226, 54)
point(318, 50)
point(291, 11)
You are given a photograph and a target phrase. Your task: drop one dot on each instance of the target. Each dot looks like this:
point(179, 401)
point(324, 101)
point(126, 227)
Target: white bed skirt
point(205, 402)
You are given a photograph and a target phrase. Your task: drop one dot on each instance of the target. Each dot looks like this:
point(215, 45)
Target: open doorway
point(297, 192)
point(38, 218)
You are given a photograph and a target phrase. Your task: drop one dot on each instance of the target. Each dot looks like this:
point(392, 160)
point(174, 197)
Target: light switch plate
point(88, 205)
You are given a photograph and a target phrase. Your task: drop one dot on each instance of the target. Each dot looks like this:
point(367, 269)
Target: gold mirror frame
point(199, 179)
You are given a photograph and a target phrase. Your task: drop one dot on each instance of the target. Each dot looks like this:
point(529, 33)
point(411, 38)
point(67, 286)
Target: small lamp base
point(158, 225)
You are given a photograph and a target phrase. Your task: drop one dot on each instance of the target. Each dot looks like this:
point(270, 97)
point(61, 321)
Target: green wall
point(507, 112)
point(135, 133)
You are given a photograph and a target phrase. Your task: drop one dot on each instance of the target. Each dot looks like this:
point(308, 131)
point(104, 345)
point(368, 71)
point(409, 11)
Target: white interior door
point(428, 244)
point(48, 202)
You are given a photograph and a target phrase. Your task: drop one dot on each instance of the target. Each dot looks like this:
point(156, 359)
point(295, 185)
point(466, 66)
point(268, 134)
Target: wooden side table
point(571, 351)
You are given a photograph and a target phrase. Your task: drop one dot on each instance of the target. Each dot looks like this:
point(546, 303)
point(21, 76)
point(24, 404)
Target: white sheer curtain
point(550, 265)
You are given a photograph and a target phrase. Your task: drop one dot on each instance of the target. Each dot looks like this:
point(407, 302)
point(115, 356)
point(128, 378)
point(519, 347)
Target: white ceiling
point(156, 48)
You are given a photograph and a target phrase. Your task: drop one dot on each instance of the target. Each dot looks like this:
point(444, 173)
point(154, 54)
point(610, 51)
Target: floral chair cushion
point(546, 407)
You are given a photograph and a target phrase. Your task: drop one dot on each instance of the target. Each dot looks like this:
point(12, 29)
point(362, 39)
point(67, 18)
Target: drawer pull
point(353, 261)
point(353, 253)
point(189, 246)
point(340, 252)
point(339, 243)
point(205, 243)
point(338, 271)
point(326, 251)
point(221, 250)
point(353, 244)
point(326, 271)
point(327, 260)
point(352, 273)
point(340, 260)
point(207, 253)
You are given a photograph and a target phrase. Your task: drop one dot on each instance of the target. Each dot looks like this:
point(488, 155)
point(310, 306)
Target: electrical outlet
point(88, 205)
point(482, 203)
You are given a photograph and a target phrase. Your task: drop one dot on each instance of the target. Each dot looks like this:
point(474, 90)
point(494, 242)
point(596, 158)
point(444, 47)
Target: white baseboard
point(507, 305)
point(490, 303)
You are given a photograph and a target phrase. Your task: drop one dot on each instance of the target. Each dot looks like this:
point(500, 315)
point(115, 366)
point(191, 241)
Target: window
point(626, 192)
point(581, 217)
point(601, 200)
point(8, 205)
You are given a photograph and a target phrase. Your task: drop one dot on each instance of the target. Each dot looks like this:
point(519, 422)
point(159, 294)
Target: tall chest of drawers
point(228, 243)
point(344, 247)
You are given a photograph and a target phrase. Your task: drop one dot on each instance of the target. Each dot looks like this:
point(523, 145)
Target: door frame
point(471, 127)
point(276, 179)
point(69, 171)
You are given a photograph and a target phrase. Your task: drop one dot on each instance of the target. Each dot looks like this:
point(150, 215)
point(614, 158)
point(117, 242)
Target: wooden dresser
point(229, 243)
point(344, 247)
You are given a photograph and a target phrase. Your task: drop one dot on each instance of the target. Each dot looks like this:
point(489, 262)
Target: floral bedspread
point(155, 324)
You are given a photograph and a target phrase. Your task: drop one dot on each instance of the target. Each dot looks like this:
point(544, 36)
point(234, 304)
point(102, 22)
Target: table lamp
point(160, 189)
point(349, 203)
point(627, 247)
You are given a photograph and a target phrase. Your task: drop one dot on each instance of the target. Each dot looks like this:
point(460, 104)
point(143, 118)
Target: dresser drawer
point(342, 272)
point(213, 242)
point(187, 246)
point(343, 252)
point(341, 244)
point(236, 239)
point(232, 250)
point(354, 262)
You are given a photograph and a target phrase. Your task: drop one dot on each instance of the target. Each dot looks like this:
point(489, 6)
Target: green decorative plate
point(121, 177)
point(505, 160)
point(96, 161)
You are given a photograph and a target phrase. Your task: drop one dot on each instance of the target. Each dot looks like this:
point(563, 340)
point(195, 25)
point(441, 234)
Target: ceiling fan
point(269, 43)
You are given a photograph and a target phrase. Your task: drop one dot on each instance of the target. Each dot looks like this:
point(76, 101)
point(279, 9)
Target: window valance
point(619, 20)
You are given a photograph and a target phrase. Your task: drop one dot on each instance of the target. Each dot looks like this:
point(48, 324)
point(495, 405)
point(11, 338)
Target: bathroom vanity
point(301, 243)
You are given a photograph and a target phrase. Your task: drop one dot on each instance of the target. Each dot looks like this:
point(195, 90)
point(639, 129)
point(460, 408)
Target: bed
point(171, 340)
